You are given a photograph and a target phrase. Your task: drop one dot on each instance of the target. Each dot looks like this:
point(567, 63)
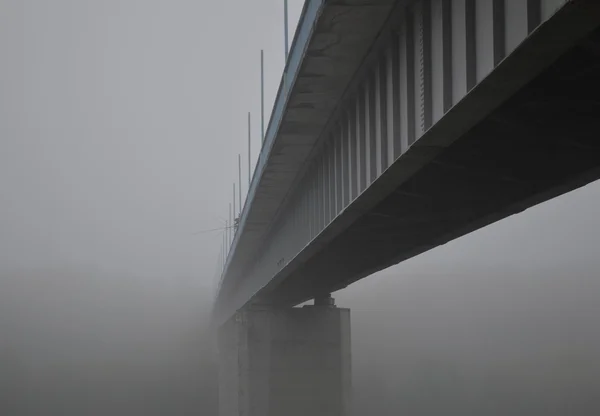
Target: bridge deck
point(399, 170)
point(329, 46)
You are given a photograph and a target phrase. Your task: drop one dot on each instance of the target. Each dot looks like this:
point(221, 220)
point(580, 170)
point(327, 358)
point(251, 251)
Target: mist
point(77, 342)
point(500, 322)
point(120, 125)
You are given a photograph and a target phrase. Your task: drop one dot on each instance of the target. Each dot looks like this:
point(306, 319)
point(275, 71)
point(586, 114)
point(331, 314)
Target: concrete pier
point(285, 362)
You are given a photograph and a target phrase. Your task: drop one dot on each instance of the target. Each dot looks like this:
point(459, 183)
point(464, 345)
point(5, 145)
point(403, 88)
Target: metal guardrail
point(306, 23)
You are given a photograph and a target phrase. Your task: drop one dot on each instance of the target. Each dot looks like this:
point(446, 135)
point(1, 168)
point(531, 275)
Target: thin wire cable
point(211, 230)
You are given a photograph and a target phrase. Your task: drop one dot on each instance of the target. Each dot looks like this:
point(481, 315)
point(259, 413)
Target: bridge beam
point(461, 113)
point(285, 361)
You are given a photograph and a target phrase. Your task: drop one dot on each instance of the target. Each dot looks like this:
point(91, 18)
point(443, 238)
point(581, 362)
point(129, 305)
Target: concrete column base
point(285, 362)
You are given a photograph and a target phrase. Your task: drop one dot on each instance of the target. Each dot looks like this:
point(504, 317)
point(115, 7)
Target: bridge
point(399, 125)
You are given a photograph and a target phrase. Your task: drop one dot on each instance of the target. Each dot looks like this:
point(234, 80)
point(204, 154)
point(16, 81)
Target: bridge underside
point(461, 113)
point(542, 142)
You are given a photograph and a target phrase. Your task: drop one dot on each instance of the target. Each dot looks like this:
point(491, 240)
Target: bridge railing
point(306, 23)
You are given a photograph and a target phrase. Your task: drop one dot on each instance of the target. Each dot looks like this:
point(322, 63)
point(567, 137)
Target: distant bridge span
point(401, 125)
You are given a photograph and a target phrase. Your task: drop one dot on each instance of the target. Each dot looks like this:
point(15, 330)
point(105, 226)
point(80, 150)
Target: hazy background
point(120, 124)
point(501, 322)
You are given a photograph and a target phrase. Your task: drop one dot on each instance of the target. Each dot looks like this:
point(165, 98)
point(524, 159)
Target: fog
point(501, 322)
point(85, 342)
point(120, 124)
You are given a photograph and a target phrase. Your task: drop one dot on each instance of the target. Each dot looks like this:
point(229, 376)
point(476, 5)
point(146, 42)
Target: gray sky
point(121, 121)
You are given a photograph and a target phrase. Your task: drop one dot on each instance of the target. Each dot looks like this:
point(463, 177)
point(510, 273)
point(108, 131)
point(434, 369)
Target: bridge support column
point(285, 362)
